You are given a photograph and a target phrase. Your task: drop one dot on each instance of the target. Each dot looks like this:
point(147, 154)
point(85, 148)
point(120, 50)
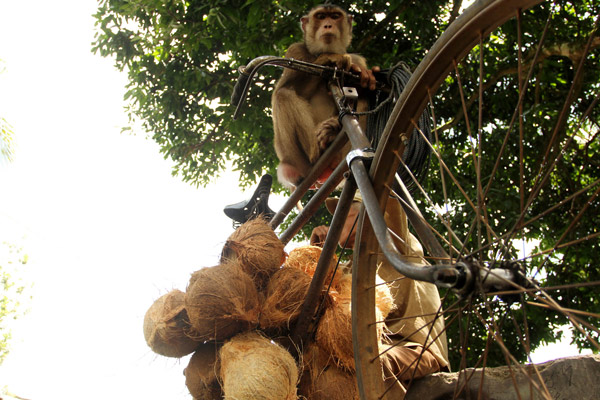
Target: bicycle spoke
point(514, 185)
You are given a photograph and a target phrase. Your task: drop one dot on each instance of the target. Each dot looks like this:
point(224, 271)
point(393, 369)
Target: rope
point(416, 153)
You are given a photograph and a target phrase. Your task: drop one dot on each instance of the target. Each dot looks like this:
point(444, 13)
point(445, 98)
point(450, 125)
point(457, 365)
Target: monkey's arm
point(303, 83)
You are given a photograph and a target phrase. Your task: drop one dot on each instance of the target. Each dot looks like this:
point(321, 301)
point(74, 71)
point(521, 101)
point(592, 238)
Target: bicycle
point(491, 259)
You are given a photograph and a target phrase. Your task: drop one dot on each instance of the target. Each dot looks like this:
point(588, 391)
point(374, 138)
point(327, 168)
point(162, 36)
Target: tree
point(11, 289)
point(182, 57)
point(13, 292)
point(182, 60)
point(6, 134)
point(6, 142)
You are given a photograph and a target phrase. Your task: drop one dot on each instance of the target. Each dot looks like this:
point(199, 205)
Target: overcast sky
point(106, 227)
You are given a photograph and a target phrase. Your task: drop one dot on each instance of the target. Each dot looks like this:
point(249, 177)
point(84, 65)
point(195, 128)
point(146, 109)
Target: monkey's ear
point(303, 22)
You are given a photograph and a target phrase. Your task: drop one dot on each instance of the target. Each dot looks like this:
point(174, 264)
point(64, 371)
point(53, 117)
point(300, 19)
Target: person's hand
point(318, 235)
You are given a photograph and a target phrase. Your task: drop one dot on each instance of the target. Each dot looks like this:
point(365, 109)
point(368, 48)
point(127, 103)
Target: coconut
point(334, 332)
point(322, 380)
point(165, 326)
point(314, 360)
point(201, 373)
point(383, 297)
point(255, 368)
point(306, 259)
point(334, 383)
point(285, 295)
point(256, 248)
point(210, 392)
point(221, 302)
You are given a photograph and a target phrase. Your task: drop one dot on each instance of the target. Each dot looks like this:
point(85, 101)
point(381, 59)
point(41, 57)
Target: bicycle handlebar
point(247, 73)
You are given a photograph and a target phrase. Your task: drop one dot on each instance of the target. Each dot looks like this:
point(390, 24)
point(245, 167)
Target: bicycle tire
point(555, 224)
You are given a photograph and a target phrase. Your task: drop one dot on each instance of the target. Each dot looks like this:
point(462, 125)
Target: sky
point(105, 225)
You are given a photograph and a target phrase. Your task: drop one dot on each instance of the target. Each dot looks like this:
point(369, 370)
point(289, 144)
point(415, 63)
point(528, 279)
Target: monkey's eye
point(335, 15)
point(320, 15)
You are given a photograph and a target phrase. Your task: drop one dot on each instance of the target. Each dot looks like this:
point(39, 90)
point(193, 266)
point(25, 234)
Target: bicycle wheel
point(512, 182)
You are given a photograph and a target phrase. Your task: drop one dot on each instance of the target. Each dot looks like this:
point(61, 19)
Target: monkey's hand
point(327, 131)
point(318, 235)
point(342, 61)
point(367, 78)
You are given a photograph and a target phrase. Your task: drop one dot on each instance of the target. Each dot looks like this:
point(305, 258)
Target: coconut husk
point(165, 326)
point(201, 373)
point(255, 368)
point(256, 248)
point(314, 360)
point(322, 380)
point(334, 383)
point(221, 302)
point(285, 295)
point(334, 332)
point(306, 259)
point(211, 392)
point(383, 297)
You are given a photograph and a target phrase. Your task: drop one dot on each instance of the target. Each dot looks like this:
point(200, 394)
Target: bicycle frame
point(459, 276)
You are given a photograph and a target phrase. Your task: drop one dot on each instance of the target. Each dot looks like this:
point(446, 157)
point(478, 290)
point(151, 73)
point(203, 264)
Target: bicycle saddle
point(256, 205)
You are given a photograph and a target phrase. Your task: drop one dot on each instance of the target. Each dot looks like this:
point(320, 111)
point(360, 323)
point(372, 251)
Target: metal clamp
point(367, 154)
point(350, 93)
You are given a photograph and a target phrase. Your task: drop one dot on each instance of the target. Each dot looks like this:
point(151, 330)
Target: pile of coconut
point(232, 317)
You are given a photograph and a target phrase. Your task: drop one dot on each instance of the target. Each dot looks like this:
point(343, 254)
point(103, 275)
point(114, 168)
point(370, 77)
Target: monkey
point(304, 115)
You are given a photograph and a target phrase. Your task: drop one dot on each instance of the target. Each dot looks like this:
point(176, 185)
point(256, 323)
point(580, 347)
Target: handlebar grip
point(239, 88)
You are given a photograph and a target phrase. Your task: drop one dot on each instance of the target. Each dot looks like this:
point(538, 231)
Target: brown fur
point(304, 114)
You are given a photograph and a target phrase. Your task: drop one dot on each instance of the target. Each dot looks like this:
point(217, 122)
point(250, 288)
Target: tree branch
point(389, 18)
point(567, 50)
point(455, 11)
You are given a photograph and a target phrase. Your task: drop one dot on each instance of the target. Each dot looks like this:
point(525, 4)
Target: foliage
point(6, 134)
point(6, 140)
point(554, 75)
point(182, 58)
point(12, 291)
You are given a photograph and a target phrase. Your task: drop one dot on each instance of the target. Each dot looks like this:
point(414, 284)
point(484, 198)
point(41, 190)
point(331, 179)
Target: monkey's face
point(328, 26)
point(327, 30)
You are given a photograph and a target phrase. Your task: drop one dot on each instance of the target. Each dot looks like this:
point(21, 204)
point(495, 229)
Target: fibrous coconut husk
point(165, 326)
point(221, 302)
point(211, 392)
point(306, 259)
point(334, 383)
point(285, 295)
point(383, 297)
point(334, 332)
point(255, 368)
point(201, 373)
point(314, 360)
point(322, 380)
point(256, 248)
